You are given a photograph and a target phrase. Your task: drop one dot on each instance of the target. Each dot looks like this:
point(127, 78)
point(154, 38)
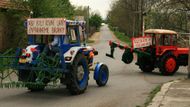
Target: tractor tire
point(103, 76)
point(168, 64)
point(146, 68)
point(127, 56)
point(79, 75)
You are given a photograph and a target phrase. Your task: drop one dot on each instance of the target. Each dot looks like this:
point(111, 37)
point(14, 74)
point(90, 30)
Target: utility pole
point(87, 23)
point(142, 17)
point(188, 68)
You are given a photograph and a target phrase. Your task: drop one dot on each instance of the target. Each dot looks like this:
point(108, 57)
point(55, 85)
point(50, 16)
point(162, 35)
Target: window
point(167, 39)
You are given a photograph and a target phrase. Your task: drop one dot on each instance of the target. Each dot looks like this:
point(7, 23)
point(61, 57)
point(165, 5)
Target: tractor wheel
point(146, 68)
point(103, 76)
point(127, 56)
point(79, 75)
point(168, 64)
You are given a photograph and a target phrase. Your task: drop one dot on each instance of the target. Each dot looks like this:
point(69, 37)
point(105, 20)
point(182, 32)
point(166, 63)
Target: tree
point(129, 15)
point(48, 8)
point(95, 20)
point(15, 31)
point(170, 14)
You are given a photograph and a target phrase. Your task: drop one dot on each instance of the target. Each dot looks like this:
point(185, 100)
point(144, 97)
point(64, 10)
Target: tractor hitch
point(114, 45)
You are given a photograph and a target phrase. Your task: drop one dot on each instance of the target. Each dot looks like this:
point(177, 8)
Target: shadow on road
point(159, 74)
point(46, 95)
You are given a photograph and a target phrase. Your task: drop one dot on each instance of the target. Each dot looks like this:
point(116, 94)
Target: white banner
point(141, 42)
point(46, 26)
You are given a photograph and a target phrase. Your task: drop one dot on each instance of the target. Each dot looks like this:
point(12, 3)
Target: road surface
point(127, 86)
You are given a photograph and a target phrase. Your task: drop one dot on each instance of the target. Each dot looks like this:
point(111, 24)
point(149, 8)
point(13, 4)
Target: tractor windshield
point(75, 35)
point(167, 39)
point(153, 35)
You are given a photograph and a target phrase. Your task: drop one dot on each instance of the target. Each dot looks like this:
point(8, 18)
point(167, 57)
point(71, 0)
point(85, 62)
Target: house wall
point(3, 31)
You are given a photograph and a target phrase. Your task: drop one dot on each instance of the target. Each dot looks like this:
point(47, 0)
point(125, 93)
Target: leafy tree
point(170, 14)
point(48, 8)
point(95, 20)
point(82, 11)
point(14, 28)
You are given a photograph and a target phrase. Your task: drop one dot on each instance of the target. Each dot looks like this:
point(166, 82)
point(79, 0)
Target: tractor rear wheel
point(79, 75)
point(168, 64)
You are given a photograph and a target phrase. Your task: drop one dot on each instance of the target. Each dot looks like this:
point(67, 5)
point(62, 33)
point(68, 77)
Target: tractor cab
point(162, 40)
point(74, 35)
point(42, 32)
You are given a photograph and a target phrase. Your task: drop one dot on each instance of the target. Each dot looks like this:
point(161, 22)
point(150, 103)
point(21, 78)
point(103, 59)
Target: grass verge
point(121, 36)
point(152, 95)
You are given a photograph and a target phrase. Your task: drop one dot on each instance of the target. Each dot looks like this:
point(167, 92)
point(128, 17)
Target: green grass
point(121, 36)
point(152, 95)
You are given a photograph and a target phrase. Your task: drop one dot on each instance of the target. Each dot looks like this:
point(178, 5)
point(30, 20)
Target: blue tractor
point(69, 62)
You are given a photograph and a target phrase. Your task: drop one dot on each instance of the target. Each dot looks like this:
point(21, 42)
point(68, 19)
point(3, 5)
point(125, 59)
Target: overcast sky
point(102, 6)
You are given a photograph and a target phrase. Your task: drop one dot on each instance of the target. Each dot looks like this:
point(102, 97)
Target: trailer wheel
point(101, 74)
point(146, 68)
point(168, 64)
point(79, 75)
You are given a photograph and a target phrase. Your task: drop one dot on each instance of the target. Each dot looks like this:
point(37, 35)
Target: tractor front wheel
point(102, 75)
point(168, 64)
point(79, 75)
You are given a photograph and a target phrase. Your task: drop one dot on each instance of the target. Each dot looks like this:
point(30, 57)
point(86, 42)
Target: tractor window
point(174, 40)
point(167, 39)
point(153, 38)
point(164, 39)
point(72, 35)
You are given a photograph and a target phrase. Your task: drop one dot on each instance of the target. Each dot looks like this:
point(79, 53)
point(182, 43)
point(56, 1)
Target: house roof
point(6, 4)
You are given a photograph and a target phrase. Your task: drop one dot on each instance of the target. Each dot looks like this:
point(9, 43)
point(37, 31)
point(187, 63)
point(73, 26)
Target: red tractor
point(157, 49)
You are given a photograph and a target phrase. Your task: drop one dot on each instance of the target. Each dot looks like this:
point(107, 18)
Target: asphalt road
point(127, 86)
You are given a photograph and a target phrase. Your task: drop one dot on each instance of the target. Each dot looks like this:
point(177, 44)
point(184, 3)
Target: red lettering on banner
point(50, 23)
point(57, 30)
point(38, 30)
point(141, 42)
point(60, 23)
point(39, 23)
point(31, 23)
